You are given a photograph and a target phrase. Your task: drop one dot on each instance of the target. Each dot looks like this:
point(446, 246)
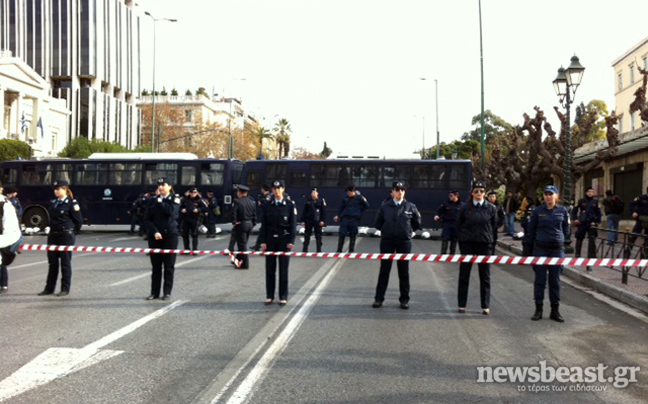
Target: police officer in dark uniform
point(313, 217)
point(397, 219)
point(278, 233)
point(527, 240)
point(549, 228)
point(639, 209)
point(491, 197)
point(448, 214)
point(162, 224)
point(263, 198)
point(587, 216)
point(212, 214)
point(193, 207)
point(349, 215)
point(243, 220)
point(65, 223)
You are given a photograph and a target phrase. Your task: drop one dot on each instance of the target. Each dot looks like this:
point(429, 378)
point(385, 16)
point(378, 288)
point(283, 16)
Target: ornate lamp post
point(566, 84)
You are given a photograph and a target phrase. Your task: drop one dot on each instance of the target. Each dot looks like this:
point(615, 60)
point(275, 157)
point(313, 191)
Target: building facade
point(627, 80)
point(88, 52)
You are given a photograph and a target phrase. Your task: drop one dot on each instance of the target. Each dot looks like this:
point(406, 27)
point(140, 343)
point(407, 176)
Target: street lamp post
point(155, 20)
point(436, 103)
point(566, 84)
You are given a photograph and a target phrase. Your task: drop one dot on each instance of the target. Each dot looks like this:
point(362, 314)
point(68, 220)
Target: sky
point(349, 72)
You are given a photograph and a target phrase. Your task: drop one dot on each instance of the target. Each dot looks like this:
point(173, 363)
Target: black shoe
point(63, 293)
point(486, 312)
point(555, 314)
point(404, 305)
point(166, 297)
point(538, 313)
point(4, 289)
point(377, 304)
point(461, 310)
point(45, 293)
point(268, 302)
point(283, 302)
point(152, 297)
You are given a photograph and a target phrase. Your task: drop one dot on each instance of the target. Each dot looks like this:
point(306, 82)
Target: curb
point(631, 299)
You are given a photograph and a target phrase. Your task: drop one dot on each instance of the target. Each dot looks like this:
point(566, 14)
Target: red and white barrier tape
point(489, 259)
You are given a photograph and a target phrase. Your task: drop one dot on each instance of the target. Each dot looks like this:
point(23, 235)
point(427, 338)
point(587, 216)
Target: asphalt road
point(216, 342)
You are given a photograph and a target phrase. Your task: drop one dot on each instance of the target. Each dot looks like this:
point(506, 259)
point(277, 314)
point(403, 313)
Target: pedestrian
point(12, 196)
point(477, 227)
point(448, 214)
point(65, 223)
point(492, 198)
point(639, 209)
point(262, 198)
point(162, 225)
point(136, 212)
point(511, 206)
point(613, 207)
point(527, 240)
point(586, 215)
point(192, 208)
point(212, 214)
point(313, 219)
point(9, 236)
point(349, 216)
point(548, 228)
point(396, 220)
point(277, 233)
point(243, 220)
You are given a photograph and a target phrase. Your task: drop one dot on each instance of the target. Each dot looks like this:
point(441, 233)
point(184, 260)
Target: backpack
point(617, 205)
point(8, 253)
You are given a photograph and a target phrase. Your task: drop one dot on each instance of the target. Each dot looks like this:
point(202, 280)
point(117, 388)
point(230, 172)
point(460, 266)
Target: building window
point(620, 81)
point(645, 62)
point(632, 69)
point(621, 124)
point(189, 115)
point(632, 121)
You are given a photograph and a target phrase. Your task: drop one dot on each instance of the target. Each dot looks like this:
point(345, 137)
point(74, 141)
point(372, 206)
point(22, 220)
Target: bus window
point(276, 171)
point(157, 170)
point(36, 174)
point(428, 176)
point(363, 176)
point(298, 179)
point(254, 180)
point(188, 176)
point(9, 176)
point(63, 172)
point(325, 175)
point(237, 172)
point(125, 174)
point(393, 173)
point(91, 174)
point(458, 176)
point(211, 173)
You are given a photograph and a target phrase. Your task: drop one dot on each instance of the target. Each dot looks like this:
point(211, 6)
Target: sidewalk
point(601, 279)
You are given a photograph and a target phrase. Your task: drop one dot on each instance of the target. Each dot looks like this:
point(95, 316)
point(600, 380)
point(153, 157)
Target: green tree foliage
point(12, 149)
point(262, 133)
point(494, 128)
point(326, 151)
point(174, 92)
point(145, 93)
point(465, 149)
point(188, 92)
point(283, 136)
point(589, 124)
point(164, 91)
point(81, 148)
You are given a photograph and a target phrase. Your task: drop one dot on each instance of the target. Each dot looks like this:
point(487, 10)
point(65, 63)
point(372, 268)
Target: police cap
point(351, 188)
point(314, 190)
point(479, 184)
point(550, 188)
point(398, 185)
point(489, 193)
point(61, 183)
point(193, 189)
point(243, 188)
point(163, 180)
point(265, 187)
point(278, 184)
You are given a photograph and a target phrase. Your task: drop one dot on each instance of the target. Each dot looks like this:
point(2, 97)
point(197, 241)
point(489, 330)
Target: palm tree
point(283, 136)
point(262, 133)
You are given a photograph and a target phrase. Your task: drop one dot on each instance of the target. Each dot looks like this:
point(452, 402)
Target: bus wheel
point(35, 217)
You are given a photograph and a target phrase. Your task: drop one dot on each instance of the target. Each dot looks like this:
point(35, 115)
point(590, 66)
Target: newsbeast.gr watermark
point(531, 378)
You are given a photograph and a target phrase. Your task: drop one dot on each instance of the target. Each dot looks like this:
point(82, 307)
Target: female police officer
point(65, 223)
point(161, 220)
point(277, 233)
point(548, 228)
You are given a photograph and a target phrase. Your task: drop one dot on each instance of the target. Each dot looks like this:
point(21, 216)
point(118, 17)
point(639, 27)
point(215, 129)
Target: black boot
point(444, 246)
point(538, 313)
point(352, 243)
point(453, 247)
point(318, 242)
point(306, 243)
point(579, 247)
point(340, 243)
point(555, 314)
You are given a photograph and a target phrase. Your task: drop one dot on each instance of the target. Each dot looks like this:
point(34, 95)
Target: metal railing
point(628, 246)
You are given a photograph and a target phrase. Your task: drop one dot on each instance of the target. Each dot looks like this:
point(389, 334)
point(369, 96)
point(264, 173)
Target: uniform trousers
point(394, 246)
point(163, 260)
point(53, 258)
point(241, 236)
point(586, 229)
point(190, 226)
point(279, 243)
point(310, 228)
point(484, 273)
point(541, 272)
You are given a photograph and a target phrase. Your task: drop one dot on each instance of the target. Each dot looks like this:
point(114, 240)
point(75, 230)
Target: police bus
point(106, 184)
point(428, 182)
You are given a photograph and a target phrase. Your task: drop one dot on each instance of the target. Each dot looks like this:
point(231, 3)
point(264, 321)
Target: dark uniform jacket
point(587, 211)
point(243, 209)
point(162, 215)
point(397, 222)
point(353, 207)
point(278, 221)
point(190, 204)
point(640, 205)
point(549, 228)
point(65, 216)
point(448, 212)
point(478, 224)
point(314, 211)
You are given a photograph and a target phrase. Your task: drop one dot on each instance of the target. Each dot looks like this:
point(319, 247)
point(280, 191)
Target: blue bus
point(428, 181)
point(106, 184)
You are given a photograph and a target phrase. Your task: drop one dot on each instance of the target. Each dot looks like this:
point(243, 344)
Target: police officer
point(277, 233)
point(448, 214)
point(396, 220)
point(263, 198)
point(313, 217)
point(193, 207)
point(212, 214)
point(586, 215)
point(492, 198)
point(136, 212)
point(162, 224)
point(477, 228)
point(243, 220)
point(639, 209)
point(548, 228)
point(527, 240)
point(349, 215)
point(65, 223)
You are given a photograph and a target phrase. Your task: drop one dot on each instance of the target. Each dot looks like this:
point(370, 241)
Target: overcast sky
point(349, 71)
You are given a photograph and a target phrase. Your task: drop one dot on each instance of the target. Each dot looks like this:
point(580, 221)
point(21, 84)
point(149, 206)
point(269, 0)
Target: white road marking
point(31, 264)
point(148, 273)
point(125, 238)
point(58, 362)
